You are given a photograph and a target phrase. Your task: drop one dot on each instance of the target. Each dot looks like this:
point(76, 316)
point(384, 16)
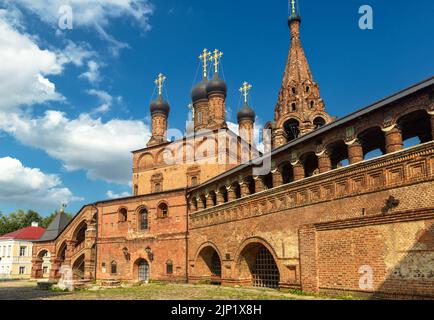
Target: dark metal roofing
point(373, 107)
point(56, 227)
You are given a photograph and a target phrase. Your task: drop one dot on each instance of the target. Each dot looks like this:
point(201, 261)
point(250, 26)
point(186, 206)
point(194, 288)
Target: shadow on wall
point(413, 276)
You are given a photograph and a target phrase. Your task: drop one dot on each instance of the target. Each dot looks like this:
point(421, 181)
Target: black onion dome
point(160, 106)
point(216, 85)
point(246, 113)
point(199, 91)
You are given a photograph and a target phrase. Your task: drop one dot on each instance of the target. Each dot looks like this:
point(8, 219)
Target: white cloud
point(76, 54)
point(105, 99)
point(101, 149)
point(92, 75)
point(112, 195)
point(92, 14)
point(24, 69)
point(30, 186)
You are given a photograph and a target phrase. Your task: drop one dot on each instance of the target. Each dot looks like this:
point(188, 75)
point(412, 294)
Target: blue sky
point(80, 97)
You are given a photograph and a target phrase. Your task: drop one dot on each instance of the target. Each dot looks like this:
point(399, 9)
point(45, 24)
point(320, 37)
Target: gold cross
point(293, 7)
point(62, 209)
point(204, 58)
point(215, 58)
point(245, 90)
point(159, 82)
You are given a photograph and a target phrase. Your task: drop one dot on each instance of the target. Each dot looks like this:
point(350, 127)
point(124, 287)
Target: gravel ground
point(24, 290)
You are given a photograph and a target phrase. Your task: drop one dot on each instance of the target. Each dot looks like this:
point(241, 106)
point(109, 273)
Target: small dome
point(160, 106)
point(216, 85)
point(246, 113)
point(199, 91)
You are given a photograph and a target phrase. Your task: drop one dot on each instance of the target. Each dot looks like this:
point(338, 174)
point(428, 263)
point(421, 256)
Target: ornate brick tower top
point(209, 96)
point(299, 108)
point(160, 112)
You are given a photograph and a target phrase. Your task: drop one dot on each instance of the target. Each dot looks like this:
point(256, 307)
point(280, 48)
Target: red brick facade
point(330, 216)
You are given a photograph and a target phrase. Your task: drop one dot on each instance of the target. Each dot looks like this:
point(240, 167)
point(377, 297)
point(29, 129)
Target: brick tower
point(160, 112)
point(209, 96)
point(299, 109)
point(246, 116)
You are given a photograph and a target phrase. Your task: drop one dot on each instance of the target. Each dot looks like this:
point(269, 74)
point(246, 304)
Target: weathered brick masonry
point(346, 207)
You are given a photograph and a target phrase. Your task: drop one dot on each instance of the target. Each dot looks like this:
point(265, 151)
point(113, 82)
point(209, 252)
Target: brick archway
point(257, 264)
point(208, 263)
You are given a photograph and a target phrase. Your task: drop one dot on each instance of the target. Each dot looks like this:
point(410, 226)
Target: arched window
point(123, 215)
point(144, 223)
point(294, 91)
point(113, 267)
point(294, 107)
point(312, 104)
point(169, 267)
point(194, 181)
point(199, 118)
point(307, 89)
point(319, 122)
point(292, 129)
point(163, 210)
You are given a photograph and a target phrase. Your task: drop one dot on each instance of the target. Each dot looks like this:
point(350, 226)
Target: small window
point(22, 270)
point(113, 267)
point(169, 267)
point(136, 190)
point(163, 210)
point(194, 181)
point(199, 118)
point(144, 223)
point(293, 107)
point(123, 215)
point(45, 270)
point(312, 104)
point(157, 187)
point(308, 89)
point(294, 91)
point(23, 251)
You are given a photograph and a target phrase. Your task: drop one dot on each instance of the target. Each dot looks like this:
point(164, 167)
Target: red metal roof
point(29, 233)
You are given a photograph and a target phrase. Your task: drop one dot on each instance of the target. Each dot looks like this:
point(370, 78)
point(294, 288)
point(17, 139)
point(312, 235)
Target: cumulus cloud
point(19, 184)
point(95, 14)
point(112, 195)
point(101, 149)
point(24, 69)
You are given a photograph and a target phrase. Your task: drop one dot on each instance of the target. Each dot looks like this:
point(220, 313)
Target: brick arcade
point(344, 200)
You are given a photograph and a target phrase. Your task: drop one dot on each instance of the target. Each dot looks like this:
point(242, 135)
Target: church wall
point(311, 259)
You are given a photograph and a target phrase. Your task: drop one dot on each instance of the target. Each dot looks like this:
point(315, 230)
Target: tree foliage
point(20, 219)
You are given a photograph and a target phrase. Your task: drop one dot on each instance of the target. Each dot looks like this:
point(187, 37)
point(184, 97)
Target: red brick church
point(347, 205)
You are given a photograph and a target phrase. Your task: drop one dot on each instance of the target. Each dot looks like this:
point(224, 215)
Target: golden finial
point(245, 90)
point(293, 8)
point(204, 58)
point(159, 82)
point(216, 59)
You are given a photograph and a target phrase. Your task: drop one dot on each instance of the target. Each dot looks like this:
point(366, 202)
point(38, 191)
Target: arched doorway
point(208, 265)
point(257, 267)
point(143, 271)
point(42, 265)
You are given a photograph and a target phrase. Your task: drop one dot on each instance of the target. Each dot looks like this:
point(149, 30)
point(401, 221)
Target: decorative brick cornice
point(300, 193)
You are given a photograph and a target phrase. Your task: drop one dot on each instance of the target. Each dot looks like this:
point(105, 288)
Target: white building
point(16, 253)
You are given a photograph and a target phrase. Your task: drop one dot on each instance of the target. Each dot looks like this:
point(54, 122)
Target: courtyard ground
point(24, 290)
